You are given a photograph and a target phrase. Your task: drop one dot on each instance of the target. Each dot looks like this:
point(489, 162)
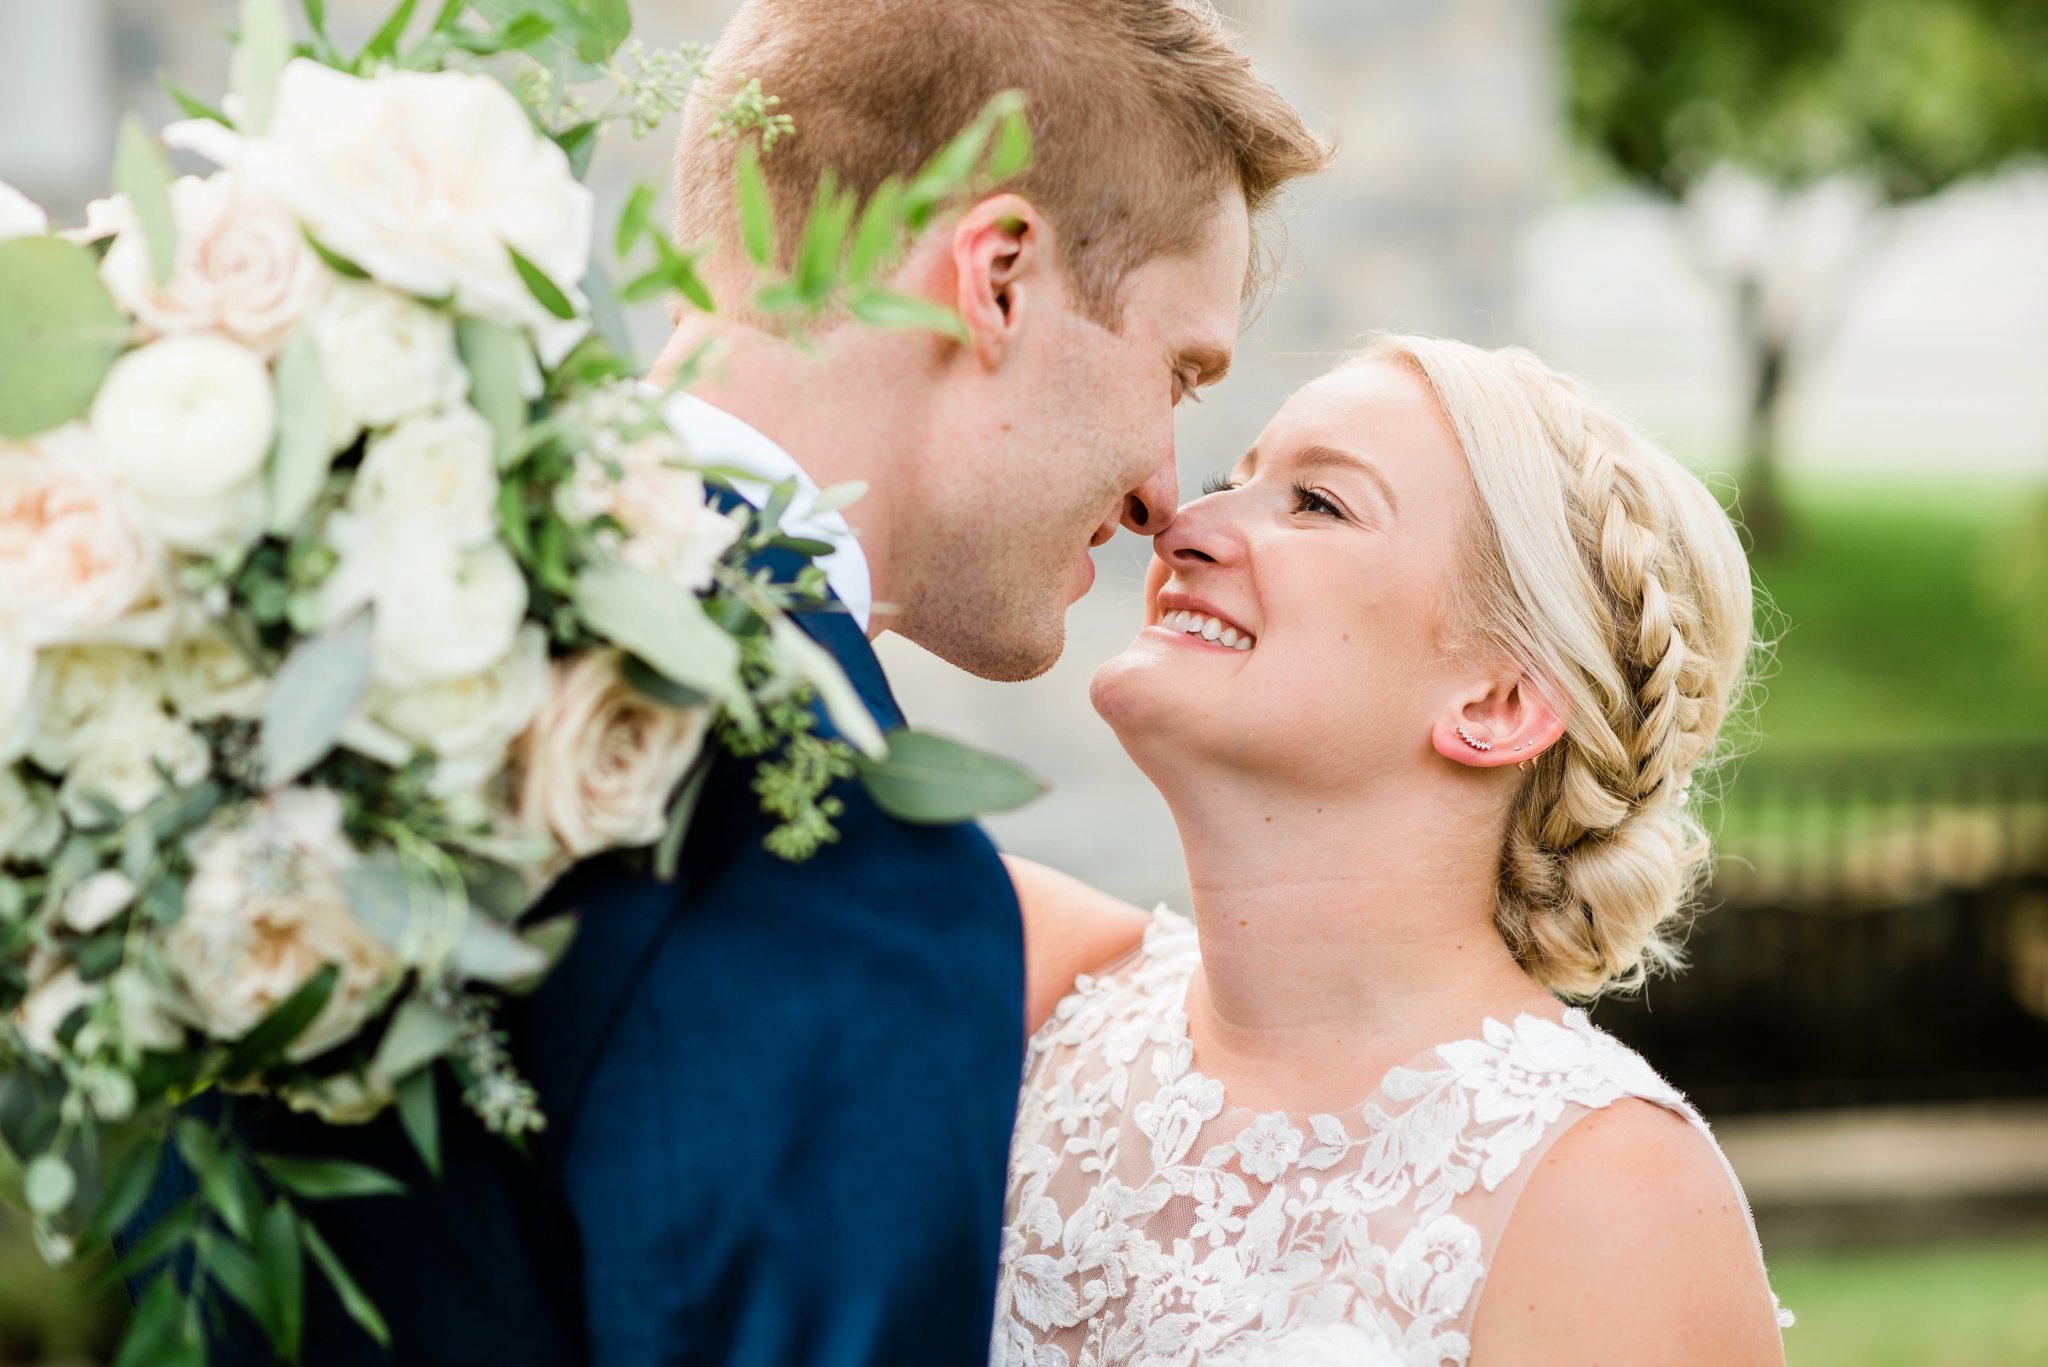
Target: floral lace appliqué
point(1150, 1224)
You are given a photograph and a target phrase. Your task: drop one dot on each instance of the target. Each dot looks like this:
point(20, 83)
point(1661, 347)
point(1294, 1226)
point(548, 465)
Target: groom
point(780, 1095)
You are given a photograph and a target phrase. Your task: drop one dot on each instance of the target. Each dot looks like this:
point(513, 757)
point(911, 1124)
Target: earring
point(1466, 736)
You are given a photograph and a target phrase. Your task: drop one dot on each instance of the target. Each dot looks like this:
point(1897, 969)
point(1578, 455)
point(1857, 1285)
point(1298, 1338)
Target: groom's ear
point(1003, 267)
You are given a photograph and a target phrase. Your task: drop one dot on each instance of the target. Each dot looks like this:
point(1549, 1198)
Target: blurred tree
point(1789, 128)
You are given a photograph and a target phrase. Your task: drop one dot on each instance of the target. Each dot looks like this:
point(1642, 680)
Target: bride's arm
point(1069, 929)
point(1628, 1245)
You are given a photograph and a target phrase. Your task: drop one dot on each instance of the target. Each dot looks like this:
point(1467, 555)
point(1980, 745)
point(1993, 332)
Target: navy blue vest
point(780, 1099)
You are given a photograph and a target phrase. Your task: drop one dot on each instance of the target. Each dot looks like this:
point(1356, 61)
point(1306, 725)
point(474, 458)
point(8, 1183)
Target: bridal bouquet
point(351, 588)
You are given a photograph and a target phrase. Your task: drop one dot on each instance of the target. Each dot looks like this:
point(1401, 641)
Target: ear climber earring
point(1466, 736)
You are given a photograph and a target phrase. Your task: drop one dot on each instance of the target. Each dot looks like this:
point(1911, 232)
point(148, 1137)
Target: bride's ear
point(1510, 721)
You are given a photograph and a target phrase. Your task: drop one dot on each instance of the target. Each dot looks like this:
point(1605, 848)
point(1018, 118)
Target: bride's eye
point(1308, 499)
point(1216, 484)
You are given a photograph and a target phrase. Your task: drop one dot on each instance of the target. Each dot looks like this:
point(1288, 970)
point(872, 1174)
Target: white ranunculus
point(242, 267)
point(20, 216)
point(264, 912)
point(81, 691)
point(670, 530)
point(384, 357)
point(43, 1012)
point(436, 472)
point(97, 899)
point(72, 560)
point(602, 757)
point(424, 180)
point(29, 824)
point(186, 423)
point(205, 675)
point(468, 723)
point(442, 612)
point(126, 765)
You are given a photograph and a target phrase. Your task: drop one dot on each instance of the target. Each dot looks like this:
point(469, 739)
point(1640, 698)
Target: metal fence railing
point(1881, 827)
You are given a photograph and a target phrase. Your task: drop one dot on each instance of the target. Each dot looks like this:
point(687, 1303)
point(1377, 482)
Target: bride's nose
point(1201, 534)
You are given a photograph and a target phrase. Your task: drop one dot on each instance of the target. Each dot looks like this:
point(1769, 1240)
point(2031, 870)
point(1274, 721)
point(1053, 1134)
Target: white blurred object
point(20, 216)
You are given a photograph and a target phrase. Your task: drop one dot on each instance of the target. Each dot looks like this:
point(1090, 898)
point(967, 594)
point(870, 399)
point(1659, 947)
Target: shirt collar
point(716, 437)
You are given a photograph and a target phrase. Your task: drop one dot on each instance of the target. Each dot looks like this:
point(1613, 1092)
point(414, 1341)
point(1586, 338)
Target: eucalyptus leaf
point(262, 50)
point(311, 695)
point(880, 234)
point(888, 311)
point(605, 314)
point(498, 360)
point(668, 850)
point(931, 781)
point(757, 217)
point(327, 1179)
point(59, 332)
point(359, 1307)
point(277, 1249)
point(546, 291)
point(552, 937)
point(417, 1035)
point(659, 686)
point(839, 496)
point(298, 467)
point(142, 174)
point(855, 724)
point(662, 622)
point(490, 953)
point(419, 1113)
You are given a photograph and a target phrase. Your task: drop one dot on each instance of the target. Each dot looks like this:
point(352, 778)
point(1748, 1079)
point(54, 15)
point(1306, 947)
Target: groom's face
point(1071, 435)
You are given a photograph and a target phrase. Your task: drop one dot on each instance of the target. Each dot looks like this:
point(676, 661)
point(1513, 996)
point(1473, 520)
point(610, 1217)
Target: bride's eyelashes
point(1216, 484)
point(1309, 499)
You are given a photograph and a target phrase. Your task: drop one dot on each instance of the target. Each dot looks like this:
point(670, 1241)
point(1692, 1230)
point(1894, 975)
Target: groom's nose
point(1148, 509)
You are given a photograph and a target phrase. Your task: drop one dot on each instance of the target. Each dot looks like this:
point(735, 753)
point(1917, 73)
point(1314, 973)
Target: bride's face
point(1294, 619)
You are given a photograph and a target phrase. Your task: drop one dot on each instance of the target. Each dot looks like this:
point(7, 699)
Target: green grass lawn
point(1908, 613)
point(1966, 1306)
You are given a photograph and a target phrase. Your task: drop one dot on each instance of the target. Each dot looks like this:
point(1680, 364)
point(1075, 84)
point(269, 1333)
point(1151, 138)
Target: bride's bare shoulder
point(1628, 1244)
point(1069, 929)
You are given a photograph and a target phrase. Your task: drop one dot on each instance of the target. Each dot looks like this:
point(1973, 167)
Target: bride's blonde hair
point(1609, 571)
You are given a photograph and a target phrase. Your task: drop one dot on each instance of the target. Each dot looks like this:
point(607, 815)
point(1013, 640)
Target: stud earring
point(1466, 736)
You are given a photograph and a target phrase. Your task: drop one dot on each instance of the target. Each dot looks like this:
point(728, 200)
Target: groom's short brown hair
point(1143, 114)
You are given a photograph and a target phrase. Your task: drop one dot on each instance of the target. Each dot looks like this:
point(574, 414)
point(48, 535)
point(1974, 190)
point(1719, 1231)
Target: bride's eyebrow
point(1332, 458)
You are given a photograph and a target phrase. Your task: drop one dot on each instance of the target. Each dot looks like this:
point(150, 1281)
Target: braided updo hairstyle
point(1612, 575)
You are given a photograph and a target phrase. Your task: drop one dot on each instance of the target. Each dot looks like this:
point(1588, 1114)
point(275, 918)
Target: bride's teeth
point(1229, 637)
point(1244, 643)
point(1211, 629)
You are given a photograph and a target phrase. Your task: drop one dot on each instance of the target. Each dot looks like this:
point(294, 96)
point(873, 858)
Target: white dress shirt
point(716, 437)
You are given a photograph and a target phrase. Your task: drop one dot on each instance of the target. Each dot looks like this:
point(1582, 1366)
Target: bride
point(1425, 684)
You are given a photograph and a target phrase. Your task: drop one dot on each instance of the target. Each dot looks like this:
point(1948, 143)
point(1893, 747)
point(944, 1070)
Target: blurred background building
point(1801, 242)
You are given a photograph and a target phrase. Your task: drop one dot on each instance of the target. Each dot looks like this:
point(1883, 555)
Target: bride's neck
point(1341, 936)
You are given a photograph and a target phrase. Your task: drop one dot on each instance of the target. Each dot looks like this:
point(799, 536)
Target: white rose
point(127, 765)
point(384, 357)
point(424, 180)
point(83, 690)
point(97, 899)
point(265, 911)
point(468, 723)
point(207, 677)
point(670, 530)
point(242, 267)
point(602, 757)
point(437, 471)
point(20, 216)
point(442, 612)
point(186, 423)
point(71, 559)
point(43, 1012)
point(29, 825)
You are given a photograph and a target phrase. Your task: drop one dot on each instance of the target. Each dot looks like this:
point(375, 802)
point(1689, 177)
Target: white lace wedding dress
point(1151, 1224)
